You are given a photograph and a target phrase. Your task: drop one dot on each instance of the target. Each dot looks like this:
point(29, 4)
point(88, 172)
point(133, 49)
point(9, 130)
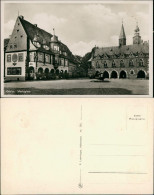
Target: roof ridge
point(23, 20)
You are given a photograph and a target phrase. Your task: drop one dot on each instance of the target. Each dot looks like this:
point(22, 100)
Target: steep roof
point(32, 30)
point(125, 49)
point(43, 37)
point(122, 33)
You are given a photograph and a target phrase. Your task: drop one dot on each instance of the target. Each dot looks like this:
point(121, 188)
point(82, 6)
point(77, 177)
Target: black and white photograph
point(77, 49)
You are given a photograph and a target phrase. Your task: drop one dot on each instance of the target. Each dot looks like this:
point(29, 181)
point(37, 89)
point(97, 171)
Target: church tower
point(137, 37)
point(122, 37)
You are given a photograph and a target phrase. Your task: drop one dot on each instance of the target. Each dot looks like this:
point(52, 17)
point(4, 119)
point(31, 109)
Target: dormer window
point(11, 46)
point(36, 40)
point(37, 44)
point(45, 47)
point(15, 46)
point(56, 48)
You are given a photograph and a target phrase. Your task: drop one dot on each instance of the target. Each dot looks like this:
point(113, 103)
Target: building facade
point(123, 61)
point(33, 53)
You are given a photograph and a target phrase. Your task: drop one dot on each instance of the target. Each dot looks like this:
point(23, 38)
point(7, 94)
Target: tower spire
point(137, 37)
point(122, 37)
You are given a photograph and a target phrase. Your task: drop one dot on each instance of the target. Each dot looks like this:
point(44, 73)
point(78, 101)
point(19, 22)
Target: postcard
point(77, 49)
point(77, 146)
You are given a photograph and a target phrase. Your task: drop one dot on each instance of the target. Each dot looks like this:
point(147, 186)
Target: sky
point(81, 26)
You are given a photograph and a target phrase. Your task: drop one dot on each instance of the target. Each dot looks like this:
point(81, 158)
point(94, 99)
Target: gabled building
point(33, 53)
point(123, 61)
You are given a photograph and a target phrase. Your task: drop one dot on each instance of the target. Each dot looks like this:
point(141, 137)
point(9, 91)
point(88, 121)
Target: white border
point(150, 2)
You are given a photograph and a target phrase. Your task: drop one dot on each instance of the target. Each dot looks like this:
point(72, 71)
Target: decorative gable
point(122, 55)
point(18, 39)
point(141, 54)
point(131, 55)
point(106, 56)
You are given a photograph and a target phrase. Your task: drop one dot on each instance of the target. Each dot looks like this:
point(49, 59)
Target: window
point(62, 61)
point(18, 30)
point(40, 57)
point(47, 58)
point(113, 64)
point(56, 48)
point(141, 62)
point(14, 71)
point(31, 56)
point(56, 60)
point(11, 47)
point(121, 63)
point(131, 72)
point(131, 63)
point(20, 57)
point(97, 65)
point(66, 62)
point(37, 44)
point(9, 58)
point(51, 59)
point(15, 46)
point(105, 64)
point(65, 53)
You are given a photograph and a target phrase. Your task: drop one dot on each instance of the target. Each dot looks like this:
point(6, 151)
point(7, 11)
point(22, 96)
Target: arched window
point(105, 64)
point(141, 62)
point(131, 71)
point(121, 63)
point(113, 64)
point(131, 63)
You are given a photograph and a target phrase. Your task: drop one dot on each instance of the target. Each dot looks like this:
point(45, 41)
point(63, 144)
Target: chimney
point(35, 25)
